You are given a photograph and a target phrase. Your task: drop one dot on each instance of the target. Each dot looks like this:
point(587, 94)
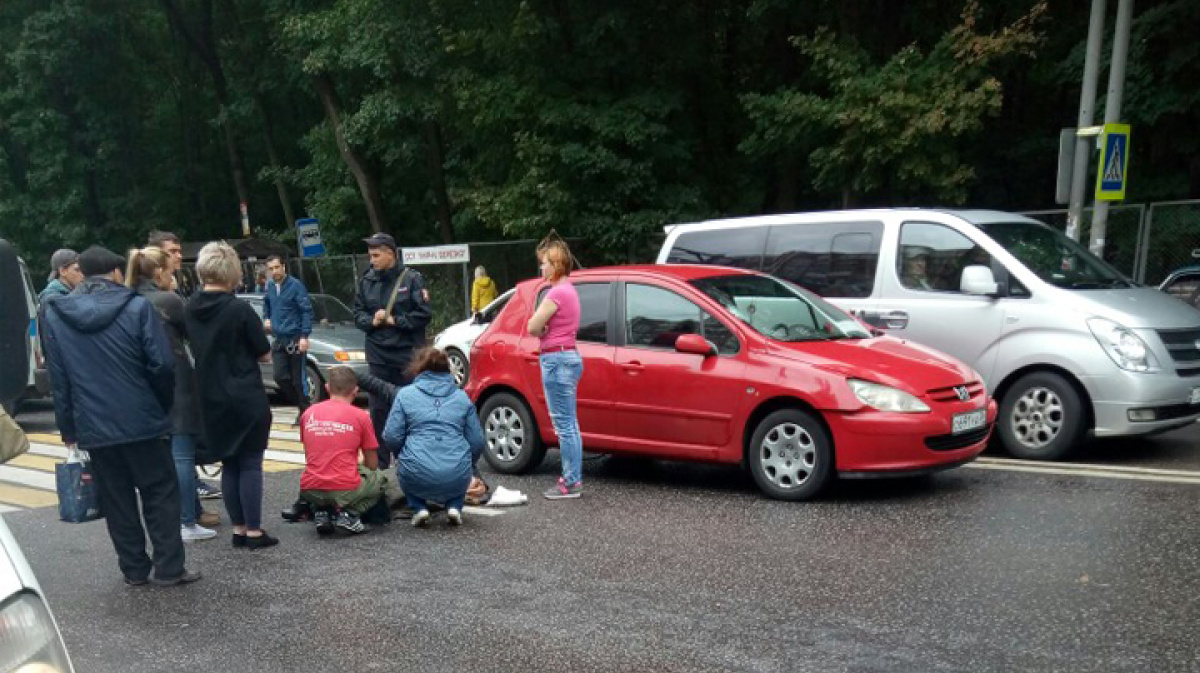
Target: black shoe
point(239, 540)
point(261, 542)
point(134, 582)
point(324, 521)
point(349, 523)
point(299, 512)
point(186, 578)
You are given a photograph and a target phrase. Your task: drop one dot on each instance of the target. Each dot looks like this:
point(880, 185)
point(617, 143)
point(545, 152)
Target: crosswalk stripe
point(5, 509)
point(25, 497)
point(34, 461)
point(32, 478)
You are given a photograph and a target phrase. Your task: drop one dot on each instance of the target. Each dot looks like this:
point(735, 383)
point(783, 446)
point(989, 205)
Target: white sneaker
point(454, 516)
point(420, 519)
point(194, 532)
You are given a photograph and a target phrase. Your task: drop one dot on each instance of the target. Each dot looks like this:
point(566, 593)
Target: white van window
point(740, 247)
point(1055, 258)
point(832, 259)
point(932, 257)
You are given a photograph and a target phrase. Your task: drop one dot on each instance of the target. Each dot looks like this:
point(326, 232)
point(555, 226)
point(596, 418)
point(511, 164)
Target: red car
point(729, 366)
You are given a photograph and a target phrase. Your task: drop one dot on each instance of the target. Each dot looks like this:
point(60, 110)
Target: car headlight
point(886, 398)
point(29, 643)
point(1126, 349)
point(350, 356)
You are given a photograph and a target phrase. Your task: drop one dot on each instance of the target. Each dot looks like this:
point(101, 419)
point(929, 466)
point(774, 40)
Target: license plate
point(1195, 399)
point(972, 420)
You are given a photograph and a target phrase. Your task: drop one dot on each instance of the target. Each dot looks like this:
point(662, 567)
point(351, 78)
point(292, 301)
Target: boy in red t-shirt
point(335, 433)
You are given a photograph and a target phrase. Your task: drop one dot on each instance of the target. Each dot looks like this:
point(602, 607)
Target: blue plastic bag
point(77, 497)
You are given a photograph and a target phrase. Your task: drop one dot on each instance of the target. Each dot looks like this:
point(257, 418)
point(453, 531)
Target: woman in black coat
point(228, 342)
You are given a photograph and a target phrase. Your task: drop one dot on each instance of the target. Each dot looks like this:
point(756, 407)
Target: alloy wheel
point(505, 433)
point(788, 455)
point(1037, 417)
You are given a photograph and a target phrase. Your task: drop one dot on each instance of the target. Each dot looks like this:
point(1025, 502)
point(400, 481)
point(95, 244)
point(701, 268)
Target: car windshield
point(1054, 257)
point(328, 310)
point(780, 310)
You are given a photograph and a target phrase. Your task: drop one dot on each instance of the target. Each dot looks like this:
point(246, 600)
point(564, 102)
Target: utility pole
point(1112, 109)
point(1087, 109)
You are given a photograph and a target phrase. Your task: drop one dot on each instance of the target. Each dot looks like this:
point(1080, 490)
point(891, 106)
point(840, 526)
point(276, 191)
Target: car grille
point(952, 442)
point(1181, 344)
point(950, 393)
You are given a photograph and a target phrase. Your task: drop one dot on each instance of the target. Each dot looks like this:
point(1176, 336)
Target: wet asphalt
point(676, 567)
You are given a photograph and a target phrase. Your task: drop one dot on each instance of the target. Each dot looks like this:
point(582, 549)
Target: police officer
point(392, 307)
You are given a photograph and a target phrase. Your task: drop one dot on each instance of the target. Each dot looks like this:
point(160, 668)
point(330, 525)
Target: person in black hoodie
point(228, 342)
point(392, 308)
point(114, 383)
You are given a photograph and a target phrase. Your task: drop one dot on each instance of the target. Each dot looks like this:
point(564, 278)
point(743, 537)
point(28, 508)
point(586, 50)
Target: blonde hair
point(218, 264)
point(559, 255)
point(143, 263)
point(480, 272)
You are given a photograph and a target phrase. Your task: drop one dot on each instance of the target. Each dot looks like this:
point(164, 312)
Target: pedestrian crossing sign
point(1114, 163)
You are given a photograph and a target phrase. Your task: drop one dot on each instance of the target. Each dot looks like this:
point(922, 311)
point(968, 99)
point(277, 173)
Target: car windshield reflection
point(780, 310)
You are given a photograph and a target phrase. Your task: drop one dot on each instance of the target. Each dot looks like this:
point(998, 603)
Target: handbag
point(77, 498)
point(478, 492)
point(13, 441)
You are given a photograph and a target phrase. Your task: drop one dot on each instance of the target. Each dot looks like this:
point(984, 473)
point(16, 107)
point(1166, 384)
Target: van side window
point(741, 247)
point(932, 257)
point(834, 259)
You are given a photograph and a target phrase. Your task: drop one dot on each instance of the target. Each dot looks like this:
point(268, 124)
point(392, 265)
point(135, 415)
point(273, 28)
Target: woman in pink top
point(555, 322)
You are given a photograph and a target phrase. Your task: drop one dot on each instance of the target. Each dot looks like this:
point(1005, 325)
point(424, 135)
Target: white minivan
point(1068, 345)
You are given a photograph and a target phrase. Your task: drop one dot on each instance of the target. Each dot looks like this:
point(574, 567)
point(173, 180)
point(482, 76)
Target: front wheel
point(791, 455)
point(1041, 417)
point(513, 443)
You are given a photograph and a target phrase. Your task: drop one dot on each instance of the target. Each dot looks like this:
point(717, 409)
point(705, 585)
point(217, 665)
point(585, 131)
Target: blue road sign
point(308, 233)
point(1114, 163)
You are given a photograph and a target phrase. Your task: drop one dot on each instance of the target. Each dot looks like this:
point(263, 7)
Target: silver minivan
point(1068, 345)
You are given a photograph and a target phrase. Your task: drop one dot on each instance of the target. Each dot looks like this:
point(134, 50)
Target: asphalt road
point(673, 567)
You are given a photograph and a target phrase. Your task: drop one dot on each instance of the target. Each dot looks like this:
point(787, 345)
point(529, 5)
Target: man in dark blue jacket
point(114, 382)
point(392, 308)
point(288, 315)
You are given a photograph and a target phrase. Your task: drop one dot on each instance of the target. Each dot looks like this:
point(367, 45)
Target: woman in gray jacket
point(149, 274)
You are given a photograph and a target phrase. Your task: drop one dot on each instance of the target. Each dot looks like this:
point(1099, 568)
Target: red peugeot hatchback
point(730, 366)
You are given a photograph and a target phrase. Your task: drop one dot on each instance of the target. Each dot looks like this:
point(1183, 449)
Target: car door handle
point(895, 319)
point(531, 357)
point(632, 367)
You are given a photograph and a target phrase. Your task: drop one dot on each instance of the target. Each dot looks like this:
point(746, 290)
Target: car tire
point(460, 366)
point(316, 384)
point(512, 442)
point(790, 455)
point(1041, 417)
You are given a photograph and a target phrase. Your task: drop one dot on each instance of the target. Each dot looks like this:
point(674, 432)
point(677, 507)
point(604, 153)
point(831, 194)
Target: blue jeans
point(561, 372)
point(183, 450)
point(417, 504)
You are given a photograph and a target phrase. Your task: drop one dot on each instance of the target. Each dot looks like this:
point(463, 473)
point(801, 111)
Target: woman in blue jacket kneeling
point(435, 432)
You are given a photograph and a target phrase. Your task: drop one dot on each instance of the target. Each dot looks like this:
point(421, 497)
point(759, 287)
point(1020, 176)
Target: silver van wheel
point(788, 455)
point(1037, 417)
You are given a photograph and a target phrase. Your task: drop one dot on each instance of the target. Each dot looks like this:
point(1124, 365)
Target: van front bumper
point(1128, 403)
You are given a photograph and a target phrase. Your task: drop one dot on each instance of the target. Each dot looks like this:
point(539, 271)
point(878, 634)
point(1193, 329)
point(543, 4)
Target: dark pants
point(380, 406)
point(289, 371)
point(122, 472)
point(242, 488)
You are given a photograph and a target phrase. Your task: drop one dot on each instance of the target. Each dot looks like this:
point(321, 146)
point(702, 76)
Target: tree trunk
point(204, 46)
point(364, 175)
point(285, 200)
point(437, 179)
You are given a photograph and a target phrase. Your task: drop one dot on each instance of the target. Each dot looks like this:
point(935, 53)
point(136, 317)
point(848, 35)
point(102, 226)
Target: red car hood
point(892, 362)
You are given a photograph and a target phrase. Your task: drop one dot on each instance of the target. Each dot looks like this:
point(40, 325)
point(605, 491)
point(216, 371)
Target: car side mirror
point(978, 280)
point(477, 319)
point(694, 344)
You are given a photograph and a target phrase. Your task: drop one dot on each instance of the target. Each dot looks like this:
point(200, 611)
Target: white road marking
point(31, 478)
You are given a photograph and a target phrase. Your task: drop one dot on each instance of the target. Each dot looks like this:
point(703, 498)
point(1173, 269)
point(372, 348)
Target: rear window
point(835, 259)
point(740, 247)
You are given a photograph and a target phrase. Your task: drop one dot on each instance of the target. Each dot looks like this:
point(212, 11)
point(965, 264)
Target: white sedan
point(455, 341)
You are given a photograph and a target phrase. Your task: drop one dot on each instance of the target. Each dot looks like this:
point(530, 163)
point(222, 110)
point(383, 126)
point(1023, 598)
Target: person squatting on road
point(392, 308)
point(434, 430)
point(114, 383)
point(228, 342)
point(149, 275)
point(288, 315)
point(555, 322)
point(334, 433)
